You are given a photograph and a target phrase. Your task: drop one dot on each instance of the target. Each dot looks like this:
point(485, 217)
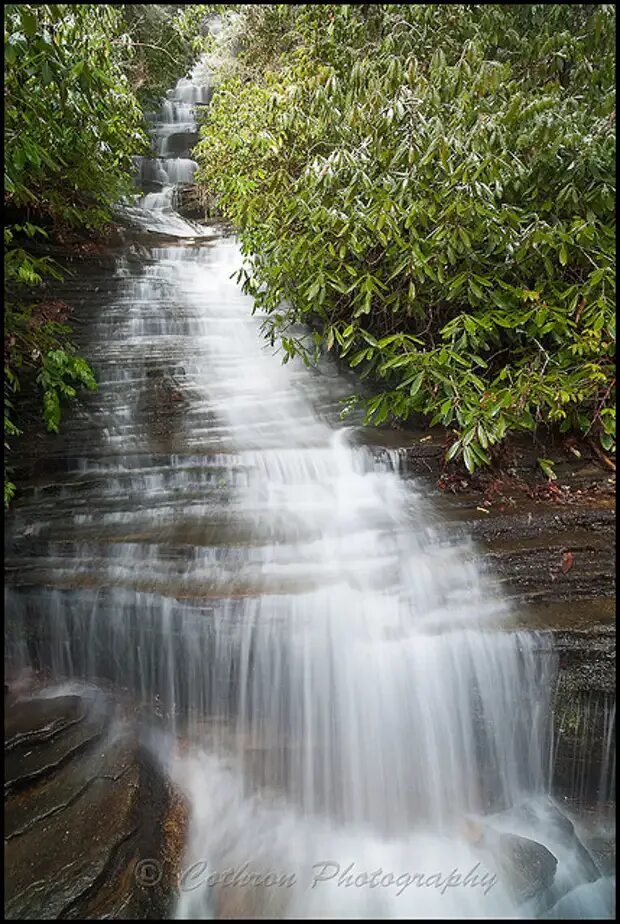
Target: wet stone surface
point(84, 803)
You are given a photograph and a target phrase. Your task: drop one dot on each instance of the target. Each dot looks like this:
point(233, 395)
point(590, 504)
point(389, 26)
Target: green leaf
point(47, 75)
point(357, 358)
point(607, 441)
point(469, 459)
point(29, 23)
point(453, 450)
point(548, 468)
point(416, 384)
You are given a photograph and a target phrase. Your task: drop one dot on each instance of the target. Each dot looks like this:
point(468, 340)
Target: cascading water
point(344, 677)
point(174, 132)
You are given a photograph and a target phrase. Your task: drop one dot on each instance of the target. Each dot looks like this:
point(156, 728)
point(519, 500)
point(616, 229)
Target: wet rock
point(174, 836)
point(603, 849)
point(587, 901)
point(584, 733)
point(180, 143)
point(164, 391)
point(586, 661)
point(62, 857)
point(38, 717)
point(109, 761)
point(138, 253)
point(524, 865)
point(526, 549)
point(85, 805)
point(37, 754)
point(553, 822)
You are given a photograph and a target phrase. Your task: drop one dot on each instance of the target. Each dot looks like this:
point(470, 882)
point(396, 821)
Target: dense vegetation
point(75, 78)
point(164, 40)
point(431, 189)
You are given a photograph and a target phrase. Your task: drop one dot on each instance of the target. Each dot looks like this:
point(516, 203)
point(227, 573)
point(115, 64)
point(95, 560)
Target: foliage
point(430, 188)
point(165, 40)
point(35, 340)
point(72, 125)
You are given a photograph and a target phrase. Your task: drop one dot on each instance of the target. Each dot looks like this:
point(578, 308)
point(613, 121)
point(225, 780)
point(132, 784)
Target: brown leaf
point(567, 562)
point(582, 305)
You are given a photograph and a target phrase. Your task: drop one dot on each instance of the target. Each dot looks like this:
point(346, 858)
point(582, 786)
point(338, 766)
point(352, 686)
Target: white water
point(373, 701)
point(176, 119)
point(341, 673)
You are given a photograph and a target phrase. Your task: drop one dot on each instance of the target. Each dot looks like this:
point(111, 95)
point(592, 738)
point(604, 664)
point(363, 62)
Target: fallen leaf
point(567, 562)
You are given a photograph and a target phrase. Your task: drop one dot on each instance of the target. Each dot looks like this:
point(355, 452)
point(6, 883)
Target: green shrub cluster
point(431, 189)
point(72, 124)
point(164, 40)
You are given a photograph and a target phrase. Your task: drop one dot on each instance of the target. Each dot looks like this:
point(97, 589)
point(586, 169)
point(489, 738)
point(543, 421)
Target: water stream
point(340, 672)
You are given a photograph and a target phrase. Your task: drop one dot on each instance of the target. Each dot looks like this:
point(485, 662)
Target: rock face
point(527, 866)
point(84, 804)
point(556, 564)
point(558, 568)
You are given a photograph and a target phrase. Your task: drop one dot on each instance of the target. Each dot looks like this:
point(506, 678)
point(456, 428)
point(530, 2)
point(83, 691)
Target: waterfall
point(343, 672)
point(174, 131)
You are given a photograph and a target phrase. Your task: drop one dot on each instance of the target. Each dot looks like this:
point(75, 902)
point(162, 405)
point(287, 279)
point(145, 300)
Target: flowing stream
point(342, 675)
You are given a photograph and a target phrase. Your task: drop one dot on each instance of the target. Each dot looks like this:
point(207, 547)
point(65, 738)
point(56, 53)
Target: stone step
point(25, 720)
point(104, 759)
point(82, 817)
point(37, 754)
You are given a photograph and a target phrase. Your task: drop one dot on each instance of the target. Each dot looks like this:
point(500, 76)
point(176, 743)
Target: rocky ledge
point(551, 545)
point(85, 803)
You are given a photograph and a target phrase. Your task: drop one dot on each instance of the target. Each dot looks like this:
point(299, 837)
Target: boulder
point(84, 804)
point(526, 867)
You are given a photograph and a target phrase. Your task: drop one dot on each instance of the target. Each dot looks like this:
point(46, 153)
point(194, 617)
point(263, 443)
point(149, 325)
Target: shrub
point(430, 188)
point(72, 125)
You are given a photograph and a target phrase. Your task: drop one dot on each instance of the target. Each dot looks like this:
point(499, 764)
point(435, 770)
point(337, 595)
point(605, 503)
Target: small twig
point(147, 45)
point(597, 413)
point(547, 357)
point(601, 455)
